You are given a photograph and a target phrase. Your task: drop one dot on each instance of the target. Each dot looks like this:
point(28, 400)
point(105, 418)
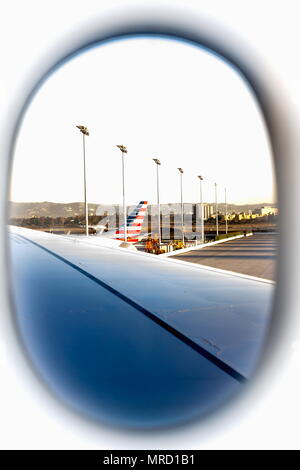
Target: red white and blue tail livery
point(134, 225)
point(135, 222)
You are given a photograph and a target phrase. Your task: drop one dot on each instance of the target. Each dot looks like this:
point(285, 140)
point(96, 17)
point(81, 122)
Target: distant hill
point(71, 209)
point(48, 209)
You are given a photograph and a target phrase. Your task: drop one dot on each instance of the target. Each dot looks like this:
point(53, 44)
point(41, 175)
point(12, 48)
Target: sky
point(160, 98)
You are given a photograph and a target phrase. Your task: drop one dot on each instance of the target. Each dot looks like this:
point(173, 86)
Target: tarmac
point(255, 255)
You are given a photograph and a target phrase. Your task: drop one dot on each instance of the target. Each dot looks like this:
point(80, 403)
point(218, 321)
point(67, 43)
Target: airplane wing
point(132, 338)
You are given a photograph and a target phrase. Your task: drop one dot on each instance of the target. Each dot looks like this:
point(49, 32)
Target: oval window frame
point(187, 29)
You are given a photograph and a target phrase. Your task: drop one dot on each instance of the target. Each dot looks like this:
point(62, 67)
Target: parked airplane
point(134, 225)
point(116, 237)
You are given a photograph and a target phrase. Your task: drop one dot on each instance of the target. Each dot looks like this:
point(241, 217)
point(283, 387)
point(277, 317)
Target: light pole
point(85, 132)
point(202, 215)
point(158, 205)
point(226, 228)
point(124, 150)
point(217, 221)
point(181, 202)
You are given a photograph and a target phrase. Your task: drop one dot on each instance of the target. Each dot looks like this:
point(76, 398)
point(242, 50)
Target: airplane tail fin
point(135, 222)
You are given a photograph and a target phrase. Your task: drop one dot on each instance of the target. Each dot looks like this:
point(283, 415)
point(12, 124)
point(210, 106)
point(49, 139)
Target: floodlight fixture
point(83, 129)
point(122, 148)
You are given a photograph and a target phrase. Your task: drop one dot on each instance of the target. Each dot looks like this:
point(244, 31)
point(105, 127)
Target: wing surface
point(225, 315)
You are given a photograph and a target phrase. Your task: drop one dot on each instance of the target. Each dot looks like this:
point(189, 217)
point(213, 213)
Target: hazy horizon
point(150, 203)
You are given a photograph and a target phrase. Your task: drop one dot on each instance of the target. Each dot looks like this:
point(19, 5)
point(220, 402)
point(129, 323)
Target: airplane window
point(143, 222)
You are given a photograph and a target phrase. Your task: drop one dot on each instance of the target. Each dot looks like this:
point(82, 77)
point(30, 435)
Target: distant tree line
point(79, 221)
point(270, 218)
point(48, 222)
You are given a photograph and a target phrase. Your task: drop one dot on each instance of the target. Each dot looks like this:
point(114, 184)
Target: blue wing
point(131, 338)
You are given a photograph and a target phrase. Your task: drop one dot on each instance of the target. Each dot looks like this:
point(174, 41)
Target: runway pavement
point(255, 255)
